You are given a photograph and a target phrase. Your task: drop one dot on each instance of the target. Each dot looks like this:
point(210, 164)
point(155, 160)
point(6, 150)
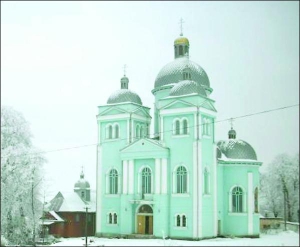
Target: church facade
point(181, 183)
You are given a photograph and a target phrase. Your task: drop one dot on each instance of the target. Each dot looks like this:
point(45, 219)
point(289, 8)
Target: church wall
point(237, 224)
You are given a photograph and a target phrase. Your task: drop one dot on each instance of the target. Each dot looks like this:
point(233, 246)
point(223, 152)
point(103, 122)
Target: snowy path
point(288, 238)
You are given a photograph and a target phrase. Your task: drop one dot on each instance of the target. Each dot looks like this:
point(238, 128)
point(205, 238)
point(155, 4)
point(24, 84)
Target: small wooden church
point(66, 214)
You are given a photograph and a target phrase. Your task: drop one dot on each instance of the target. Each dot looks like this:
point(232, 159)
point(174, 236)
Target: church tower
point(82, 188)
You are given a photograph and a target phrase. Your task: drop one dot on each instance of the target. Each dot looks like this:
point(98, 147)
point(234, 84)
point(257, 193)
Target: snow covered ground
point(287, 238)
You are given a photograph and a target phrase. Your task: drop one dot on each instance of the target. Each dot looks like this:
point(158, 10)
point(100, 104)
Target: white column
point(162, 128)
point(157, 176)
point(214, 182)
point(195, 126)
point(199, 183)
point(100, 177)
point(125, 176)
point(164, 176)
point(250, 203)
point(130, 177)
point(128, 130)
point(194, 177)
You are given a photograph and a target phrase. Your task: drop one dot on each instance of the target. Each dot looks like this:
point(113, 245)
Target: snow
point(283, 238)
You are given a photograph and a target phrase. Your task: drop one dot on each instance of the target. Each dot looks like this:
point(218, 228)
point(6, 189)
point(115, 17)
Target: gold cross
point(181, 22)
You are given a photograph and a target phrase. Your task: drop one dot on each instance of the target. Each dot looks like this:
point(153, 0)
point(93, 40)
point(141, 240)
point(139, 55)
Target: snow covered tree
point(281, 176)
point(21, 174)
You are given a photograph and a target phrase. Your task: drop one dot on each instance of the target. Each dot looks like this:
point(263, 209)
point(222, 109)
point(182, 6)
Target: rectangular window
point(77, 218)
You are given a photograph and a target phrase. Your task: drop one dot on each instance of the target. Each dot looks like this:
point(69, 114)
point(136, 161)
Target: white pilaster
point(130, 177)
point(128, 130)
point(164, 180)
point(162, 128)
point(195, 126)
point(157, 176)
point(250, 203)
point(214, 183)
point(125, 176)
point(199, 184)
point(194, 176)
point(99, 180)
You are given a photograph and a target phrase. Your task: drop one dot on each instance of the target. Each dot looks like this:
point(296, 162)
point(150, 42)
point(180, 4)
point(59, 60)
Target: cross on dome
point(231, 122)
point(124, 67)
point(181, 22)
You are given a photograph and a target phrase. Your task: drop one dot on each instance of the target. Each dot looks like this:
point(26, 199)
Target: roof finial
point(231, 123)
point(124, 67)
point(181, 22)
point(82, 174)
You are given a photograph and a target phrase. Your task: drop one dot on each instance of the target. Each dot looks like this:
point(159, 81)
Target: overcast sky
point(60, 60)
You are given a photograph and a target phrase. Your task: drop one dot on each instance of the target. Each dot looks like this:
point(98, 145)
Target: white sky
point(60, 60)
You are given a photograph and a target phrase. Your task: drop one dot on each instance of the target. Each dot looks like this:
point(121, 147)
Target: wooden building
point(67, 215)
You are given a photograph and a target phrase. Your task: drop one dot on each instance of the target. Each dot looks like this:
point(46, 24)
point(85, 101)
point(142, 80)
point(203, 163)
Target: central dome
point(124, 95)
point(172, 73)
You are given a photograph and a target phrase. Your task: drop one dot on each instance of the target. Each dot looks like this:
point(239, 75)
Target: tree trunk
point(33, 213)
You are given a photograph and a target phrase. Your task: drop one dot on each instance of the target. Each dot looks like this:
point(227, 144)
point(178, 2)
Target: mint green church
point(181, 183)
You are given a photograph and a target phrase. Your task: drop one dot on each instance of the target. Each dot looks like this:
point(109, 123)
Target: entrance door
point(145, 224)
point(145, 220)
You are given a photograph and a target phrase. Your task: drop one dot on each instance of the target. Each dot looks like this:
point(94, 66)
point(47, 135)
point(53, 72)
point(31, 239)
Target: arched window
point(178, 220)
point(185, 127)
point(206, 181)
point(82, 194)
point(177, 127)
point(181, 50)
point(113, 182)
point(116, 131)
point(146, 181)
point(256, 200)
point(110, 218)
point(183, 220)
point(237, 200)
point(115, 218)
point(142, 132)
point(109, 132)
point(181, 180)
point(145, 209)
point(137, 131)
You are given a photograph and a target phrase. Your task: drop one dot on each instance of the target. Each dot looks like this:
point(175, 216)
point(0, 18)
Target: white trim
point(157, 175)
point(130, 177)
point(195, 189)
point(128, 130)
point(195, 126)
point(164, 176)
point(114, 117)
point(125, 176)
point(182, 110)
point(180, 195)
point(250, 203)
point(99, 190)
point(209, 112)
point(215, 190)
point(199, 196)
point(161, 128)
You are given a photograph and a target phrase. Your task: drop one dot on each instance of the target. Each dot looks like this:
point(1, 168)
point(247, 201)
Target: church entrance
point(145, 220)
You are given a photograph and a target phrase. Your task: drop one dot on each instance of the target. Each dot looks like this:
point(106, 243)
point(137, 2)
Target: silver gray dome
point(124, 95)
point(187, 87)
point(172, 73)
point(237, 149)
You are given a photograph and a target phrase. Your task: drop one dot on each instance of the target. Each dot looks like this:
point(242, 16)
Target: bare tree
point(20, 173)
point(281, 176)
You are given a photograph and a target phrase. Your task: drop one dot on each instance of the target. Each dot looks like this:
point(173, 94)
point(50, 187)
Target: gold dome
point(181, 41)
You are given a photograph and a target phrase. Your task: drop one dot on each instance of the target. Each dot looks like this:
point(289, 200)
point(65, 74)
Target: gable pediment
point(144, 148)
point(208, 105)
point(112, 111)
point(177, 104)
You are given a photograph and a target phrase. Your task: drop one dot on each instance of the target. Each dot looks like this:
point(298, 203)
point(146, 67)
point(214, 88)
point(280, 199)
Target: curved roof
point(187, 87)
point(124, 95)
point(181, 40)
point(172, 73)
point(237, 149)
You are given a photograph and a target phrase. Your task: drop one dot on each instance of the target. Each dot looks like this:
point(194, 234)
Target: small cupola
point(232, 132)
point(124, 80)
point(181, 44)
point(82, 188)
